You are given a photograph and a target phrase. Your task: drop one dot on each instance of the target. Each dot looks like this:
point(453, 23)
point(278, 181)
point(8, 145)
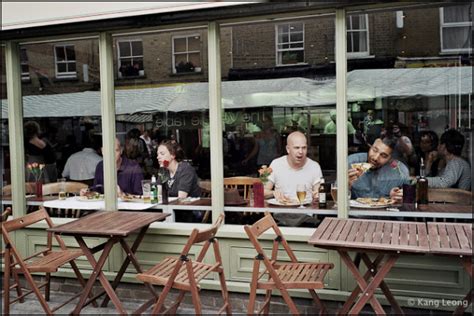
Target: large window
point(456, 28)
point(65, 59)
point(187, 53)
point(290, 43)
point(130, 61)
point(357, 35)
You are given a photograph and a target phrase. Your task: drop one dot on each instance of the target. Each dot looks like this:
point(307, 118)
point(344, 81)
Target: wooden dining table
point(115, 227)
point(387, 239)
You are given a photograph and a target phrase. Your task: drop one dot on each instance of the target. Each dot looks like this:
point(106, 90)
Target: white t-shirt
point(286, 178)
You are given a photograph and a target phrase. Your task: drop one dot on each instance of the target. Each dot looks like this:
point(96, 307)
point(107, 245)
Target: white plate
point(356, 204)
point(276, 202)
point(85, 199)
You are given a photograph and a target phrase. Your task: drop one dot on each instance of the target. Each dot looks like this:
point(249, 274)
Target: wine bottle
point(322, 194)
point(422, 187)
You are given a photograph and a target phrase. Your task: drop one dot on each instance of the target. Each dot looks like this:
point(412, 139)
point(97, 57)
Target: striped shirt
point(456, 174)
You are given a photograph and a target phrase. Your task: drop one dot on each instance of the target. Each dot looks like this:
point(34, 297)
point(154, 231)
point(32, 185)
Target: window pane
point(125, 49)
point(456, 37)
point(195, 59)
point(23, 55)
point(60, 56)
point(65, 115)
point(137, 48)
point(296, 37)
point(456, 14)
point(194, 43)
point(180, 45)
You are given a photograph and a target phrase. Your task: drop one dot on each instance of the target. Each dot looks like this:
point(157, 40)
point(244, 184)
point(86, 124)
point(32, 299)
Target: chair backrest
point(29, 189)
point(205, 186)
point(70, 186)
point(243, 184)
point(450, 195)
point(261, 226)
point(25, 221)
point(7, 212)
point(207, 235)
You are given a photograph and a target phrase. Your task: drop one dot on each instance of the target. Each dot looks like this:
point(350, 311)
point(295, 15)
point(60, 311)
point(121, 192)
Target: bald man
point(293, 169)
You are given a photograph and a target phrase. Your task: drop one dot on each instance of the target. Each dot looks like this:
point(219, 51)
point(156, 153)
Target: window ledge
point(360, 56)
point(292, 65)
point(455, 52)
point(191, 73)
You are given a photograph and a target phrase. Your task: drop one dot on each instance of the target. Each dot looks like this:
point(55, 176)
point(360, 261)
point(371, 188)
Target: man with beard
point(383, 176)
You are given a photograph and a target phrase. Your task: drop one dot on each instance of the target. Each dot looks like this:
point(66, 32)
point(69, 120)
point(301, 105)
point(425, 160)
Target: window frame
point(279, 51)
point(119, 57)
point(443, 25)
point(67, 74)
point(173, 53)
point(349, 31)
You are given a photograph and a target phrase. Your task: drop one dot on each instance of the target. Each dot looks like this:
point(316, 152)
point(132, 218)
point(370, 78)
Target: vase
point(164, 192)
point(39, 188)
point(258, 196)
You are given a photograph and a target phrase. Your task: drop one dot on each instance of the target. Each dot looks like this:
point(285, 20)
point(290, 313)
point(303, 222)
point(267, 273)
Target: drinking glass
point(301, 194)
point(146, 188)
point(334, 193)
point(62, 188)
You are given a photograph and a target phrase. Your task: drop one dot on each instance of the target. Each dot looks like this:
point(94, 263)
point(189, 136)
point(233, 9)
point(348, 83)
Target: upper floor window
point(25, 68)
point(290, 43)
point(455, 28)
point(187, 53)
point(357, 35)
point(65, 59)
point(130, 58)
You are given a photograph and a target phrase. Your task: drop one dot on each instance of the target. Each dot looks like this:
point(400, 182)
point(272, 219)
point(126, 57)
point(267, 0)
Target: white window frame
point(187, 52)
point(119, 57)
point(279, 51)
point(67, 74)
point(443, 25)
point(25, 75)
point(350, 31)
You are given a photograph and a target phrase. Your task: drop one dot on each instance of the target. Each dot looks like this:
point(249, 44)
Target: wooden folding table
point(115, 226)
point(453, 239)
point(388, 239)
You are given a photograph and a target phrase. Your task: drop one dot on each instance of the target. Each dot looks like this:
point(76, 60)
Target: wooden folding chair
point(243, 184)
point(72, 188)
point(47, 261)
point(16, 285)
point(184, 274)
point(282, 276)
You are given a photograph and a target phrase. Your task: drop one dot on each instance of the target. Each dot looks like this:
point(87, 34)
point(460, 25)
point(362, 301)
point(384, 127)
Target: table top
point(371, 235)
point(450, 238)
point(108, 223)
point(438, 208)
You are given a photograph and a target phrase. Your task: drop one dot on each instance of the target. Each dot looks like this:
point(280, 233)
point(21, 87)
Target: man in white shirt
point(295, 168)
point(81, 166)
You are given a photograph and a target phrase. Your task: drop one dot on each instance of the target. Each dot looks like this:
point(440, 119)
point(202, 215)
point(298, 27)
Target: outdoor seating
point(46, 261)
point(184, 274)
point(29, 189)
point(71, 188)
point(243, 184)
point(281, 276)
point(16, 285)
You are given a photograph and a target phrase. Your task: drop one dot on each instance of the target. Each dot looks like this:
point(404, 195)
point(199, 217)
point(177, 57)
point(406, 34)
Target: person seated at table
point(81, 165)
point(383, 175)
point(129, 174)
point(457, 173)
point(181, 177)
point(290, 170)
point(427, 150)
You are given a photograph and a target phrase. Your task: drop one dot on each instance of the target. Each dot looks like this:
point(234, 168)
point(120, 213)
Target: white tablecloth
point(75, 203)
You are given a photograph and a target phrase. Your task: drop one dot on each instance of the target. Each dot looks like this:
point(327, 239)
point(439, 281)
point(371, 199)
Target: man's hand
point(280, 197)
point(396, 194)
point(83, 191)
point(353, 175)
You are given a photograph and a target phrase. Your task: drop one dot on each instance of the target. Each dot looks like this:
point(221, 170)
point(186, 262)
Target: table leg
point(467, 264)
point(369, 291)
point(97, 273)
point(355, 293)
point(362, 284)
point(130, 258)
point(372, 267)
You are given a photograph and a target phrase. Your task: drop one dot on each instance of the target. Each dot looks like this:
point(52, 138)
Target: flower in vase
point(163, 173)
point(36, 169)
point(264, 172)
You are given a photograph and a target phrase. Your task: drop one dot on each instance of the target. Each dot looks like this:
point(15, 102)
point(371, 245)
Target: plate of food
point(367, 202)
point(362, 166)
point(132, 198)
point(292, 202)
point(90, 196)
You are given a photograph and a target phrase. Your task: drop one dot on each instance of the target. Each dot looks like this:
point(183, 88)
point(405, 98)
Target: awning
point(363, 85)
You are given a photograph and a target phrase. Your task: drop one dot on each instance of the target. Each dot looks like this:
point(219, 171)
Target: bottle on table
point(154, 190)
point(422, 188)
point(322, 194)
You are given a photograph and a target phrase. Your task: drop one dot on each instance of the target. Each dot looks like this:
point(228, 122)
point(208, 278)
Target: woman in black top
point(182, 178)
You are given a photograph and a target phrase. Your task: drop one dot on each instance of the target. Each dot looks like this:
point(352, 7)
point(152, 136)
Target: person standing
point(81, 166)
